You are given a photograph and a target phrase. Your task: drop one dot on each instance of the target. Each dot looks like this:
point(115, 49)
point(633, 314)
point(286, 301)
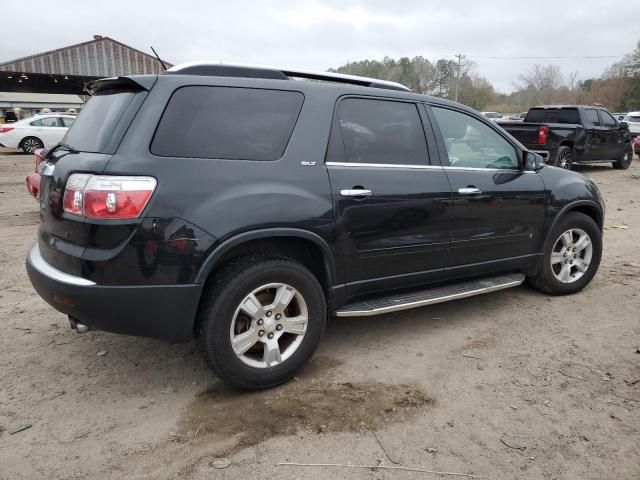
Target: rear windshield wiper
point(63, 146)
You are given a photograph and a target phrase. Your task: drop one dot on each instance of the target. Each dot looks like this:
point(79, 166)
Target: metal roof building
point(65, 71)
point(100, 57)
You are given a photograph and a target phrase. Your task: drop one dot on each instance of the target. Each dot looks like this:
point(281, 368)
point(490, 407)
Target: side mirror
point(624, 126)
point(533, 162)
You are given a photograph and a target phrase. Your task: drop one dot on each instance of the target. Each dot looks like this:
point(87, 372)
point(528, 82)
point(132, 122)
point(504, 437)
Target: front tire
point(261, 320)
point(31, 144)
point(625, 160)
point(564, 158)
point(571, 257)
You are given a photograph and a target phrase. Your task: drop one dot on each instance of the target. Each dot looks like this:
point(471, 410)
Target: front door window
point(472, 144)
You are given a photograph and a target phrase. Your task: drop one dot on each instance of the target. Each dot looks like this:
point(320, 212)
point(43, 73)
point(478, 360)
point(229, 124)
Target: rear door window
point(46, 122)
point(227, 123)
point(382, 132)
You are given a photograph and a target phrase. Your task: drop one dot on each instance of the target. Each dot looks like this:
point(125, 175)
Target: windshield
point(632, 118)
point(97, 121)
point(556, 115)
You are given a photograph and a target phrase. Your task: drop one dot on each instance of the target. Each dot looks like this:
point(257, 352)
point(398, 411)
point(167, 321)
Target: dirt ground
point(509, 385)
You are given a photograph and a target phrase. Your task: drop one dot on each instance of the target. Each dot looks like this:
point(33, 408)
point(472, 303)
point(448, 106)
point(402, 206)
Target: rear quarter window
point(227, 123)
point(97, 121)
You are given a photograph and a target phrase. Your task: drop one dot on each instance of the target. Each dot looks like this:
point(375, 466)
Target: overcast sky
point(324, 34)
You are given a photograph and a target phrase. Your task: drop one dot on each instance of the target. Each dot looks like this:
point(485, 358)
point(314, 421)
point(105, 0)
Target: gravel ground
point(513, 384)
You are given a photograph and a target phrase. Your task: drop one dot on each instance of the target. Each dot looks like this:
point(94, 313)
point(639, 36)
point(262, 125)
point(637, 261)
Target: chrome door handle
point(359, 192)
point(469, 191)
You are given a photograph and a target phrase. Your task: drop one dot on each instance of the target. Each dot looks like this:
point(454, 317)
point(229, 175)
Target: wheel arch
point(567, 143)
point(586, 207)
point(303, 246)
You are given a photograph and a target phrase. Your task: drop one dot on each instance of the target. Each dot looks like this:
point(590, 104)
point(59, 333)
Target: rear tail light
point(543, 132)
point(5, 129)
point(39, 156)
point(107, 196)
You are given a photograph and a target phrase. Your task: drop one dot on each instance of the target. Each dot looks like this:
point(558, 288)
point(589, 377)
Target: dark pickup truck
point(564, 135)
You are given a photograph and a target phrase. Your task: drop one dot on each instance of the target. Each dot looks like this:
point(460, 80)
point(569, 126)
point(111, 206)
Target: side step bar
point(406, 301)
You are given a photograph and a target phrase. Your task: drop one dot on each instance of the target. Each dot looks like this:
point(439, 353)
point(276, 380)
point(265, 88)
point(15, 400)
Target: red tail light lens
point(106, 196)
point(39, 156)
point(5, 129)
point(543, 132)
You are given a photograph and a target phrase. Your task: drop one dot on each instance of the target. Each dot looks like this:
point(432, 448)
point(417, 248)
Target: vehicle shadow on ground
point(11, 152)
point(591, 168)
point(158, 363)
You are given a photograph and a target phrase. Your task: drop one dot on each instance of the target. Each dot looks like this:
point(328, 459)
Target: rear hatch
point(88, 146)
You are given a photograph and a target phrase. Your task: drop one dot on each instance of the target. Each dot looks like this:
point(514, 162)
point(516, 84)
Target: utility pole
point(459, 57)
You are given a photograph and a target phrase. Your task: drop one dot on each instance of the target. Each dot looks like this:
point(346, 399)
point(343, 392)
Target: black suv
point(243, 205)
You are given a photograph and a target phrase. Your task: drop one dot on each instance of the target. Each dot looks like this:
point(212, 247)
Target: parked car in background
point(633, 119)
point(492, 115)
point(512, 117)
point(619, 116)
point(241, 206)
point(10, 117)
point(569, 134)
point(39, 131)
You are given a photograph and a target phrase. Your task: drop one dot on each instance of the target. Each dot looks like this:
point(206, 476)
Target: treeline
point(431, 78)
point(617, 89)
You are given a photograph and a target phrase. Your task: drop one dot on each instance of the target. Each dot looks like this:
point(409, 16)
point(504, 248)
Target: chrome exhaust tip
point(78, 326)
point(81, 328)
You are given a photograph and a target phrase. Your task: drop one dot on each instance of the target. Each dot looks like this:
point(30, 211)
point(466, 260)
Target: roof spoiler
point(138, 83)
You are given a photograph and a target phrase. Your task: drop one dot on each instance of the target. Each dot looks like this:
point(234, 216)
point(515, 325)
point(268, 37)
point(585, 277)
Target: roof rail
point(211, 68)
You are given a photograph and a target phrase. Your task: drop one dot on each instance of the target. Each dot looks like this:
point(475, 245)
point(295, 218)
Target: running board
point(406, 301)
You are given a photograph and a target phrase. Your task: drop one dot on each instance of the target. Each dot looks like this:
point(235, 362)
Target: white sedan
point(493, 116)
point(30, 134)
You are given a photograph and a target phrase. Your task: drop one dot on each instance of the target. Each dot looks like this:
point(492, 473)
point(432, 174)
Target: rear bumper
point(165, 311)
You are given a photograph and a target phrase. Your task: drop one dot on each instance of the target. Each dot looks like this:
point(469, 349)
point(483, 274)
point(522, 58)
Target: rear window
point(98, 119)
point(564, 115)
point(227, 123)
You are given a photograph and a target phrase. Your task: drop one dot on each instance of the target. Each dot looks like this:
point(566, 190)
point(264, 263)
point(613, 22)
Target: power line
point(558, 57)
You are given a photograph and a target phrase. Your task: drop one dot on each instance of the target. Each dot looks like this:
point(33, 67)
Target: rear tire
point(241, 347)
point(625, 160)
point(575, 242)
point(564, 158)
point(31, 144)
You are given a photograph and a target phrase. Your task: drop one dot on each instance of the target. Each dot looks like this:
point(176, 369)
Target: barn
point(54, 80)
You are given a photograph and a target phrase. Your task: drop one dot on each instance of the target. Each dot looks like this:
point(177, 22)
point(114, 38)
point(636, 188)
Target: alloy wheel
point(571, 255)
point(30, 145)
point(565, 159)
point(628, 155)
point(269, 325)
